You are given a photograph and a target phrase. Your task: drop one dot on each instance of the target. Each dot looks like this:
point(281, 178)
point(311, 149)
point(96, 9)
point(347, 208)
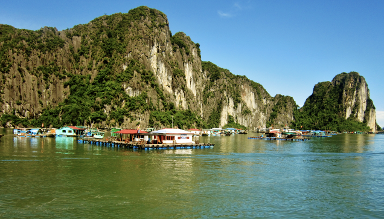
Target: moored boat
point(98, 135)
point(65, 132)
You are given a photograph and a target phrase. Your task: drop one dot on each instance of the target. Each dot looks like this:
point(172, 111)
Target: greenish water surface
point(338, 177)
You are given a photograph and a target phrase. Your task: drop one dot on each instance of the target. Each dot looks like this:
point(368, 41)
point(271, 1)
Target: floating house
point(34, 132)
point(27, 132)
point(130, 135)
point(173, 136)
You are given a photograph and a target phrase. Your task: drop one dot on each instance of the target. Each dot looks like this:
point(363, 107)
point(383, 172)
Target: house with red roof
point(132, 135)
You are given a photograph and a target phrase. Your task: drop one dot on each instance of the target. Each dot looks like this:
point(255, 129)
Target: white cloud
point(234, 9)
point(380, 118)
point(222, 14)
point(237, 5)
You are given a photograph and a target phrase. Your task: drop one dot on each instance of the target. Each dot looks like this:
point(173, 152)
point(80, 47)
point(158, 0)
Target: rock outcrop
point(346, 97)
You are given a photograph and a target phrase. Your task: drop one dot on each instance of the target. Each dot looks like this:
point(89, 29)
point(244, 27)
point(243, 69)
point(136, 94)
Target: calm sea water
point(338, 177)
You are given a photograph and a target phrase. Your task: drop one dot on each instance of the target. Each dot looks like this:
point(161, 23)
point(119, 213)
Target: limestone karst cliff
point(125, 69)
point(343, 104)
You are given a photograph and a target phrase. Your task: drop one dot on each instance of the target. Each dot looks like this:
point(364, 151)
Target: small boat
point(65, 132)
point(98, 135)
point(94, 133)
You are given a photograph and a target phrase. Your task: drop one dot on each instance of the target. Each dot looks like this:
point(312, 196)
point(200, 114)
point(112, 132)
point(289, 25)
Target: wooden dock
point(143, 145)
point(280, 139)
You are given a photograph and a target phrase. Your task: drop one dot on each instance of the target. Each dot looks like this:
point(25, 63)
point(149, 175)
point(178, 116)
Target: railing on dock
point(143, 145)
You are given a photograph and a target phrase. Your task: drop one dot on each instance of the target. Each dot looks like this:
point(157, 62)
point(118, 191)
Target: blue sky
point(286, 46)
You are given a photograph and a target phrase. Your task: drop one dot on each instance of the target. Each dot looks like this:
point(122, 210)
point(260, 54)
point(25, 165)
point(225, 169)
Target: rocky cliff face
point(355, 98)
point(346, 97)
point(128, 69)
point(118, 69)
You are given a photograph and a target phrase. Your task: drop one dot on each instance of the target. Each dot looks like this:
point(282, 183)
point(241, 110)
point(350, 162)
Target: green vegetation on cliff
point(283, 107)
point(325, 109)
point(183, 119)
point(92, 71)
point(232, 124)
point(127, 69)
point(24, 42)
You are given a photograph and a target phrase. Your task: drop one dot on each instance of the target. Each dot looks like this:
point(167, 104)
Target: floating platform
point(280, 139)
point(144, 146)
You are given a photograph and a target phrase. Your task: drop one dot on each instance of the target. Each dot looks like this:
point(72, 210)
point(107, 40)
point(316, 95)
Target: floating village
point(166, 138)
point(293, 135)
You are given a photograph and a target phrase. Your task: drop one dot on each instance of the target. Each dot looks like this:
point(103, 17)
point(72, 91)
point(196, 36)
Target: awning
point(76, 128)
point(131, 131)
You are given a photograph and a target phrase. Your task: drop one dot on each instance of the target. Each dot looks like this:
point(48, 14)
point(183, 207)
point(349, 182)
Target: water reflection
point(343, 143)
point(65, 142)
point(357, 144)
